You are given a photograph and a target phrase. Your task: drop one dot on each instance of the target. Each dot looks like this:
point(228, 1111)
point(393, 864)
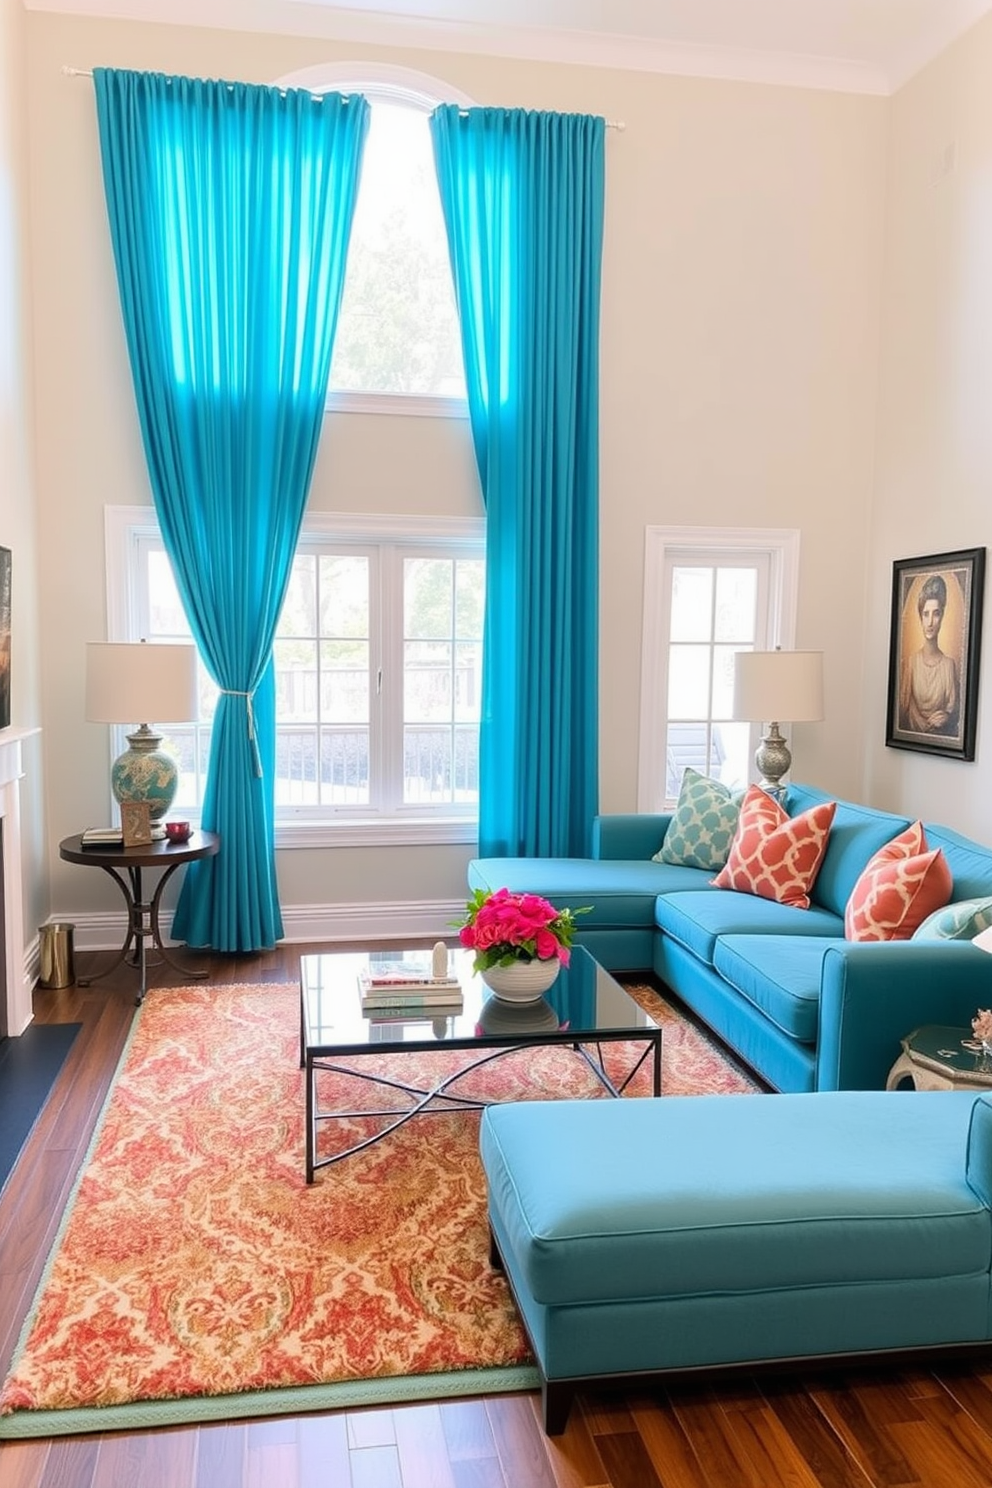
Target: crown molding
point(600, 49)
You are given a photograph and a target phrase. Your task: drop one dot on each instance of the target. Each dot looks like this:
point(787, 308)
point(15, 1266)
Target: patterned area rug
point(197, 1277)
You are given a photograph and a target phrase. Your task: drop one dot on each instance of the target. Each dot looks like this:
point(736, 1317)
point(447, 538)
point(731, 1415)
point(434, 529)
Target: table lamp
point(772, 687)
point(135, 680)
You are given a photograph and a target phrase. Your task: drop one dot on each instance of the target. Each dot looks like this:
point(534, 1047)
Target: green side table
point(938, 1058)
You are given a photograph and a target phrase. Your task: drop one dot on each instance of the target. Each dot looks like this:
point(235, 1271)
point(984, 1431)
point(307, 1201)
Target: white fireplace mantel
point(19, 989)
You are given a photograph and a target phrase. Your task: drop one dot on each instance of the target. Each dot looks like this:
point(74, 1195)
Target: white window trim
point(660, 543)
point(125, 526)
point(421, 91)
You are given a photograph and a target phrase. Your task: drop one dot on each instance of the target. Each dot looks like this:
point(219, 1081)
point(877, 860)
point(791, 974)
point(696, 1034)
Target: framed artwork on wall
point(934, 653)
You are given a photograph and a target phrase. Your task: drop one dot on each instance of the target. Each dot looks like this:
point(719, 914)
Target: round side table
point(940, 1058)
point(124, 865)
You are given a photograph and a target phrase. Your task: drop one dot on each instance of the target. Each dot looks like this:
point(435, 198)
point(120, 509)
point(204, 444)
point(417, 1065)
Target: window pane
point(344, 596)
point(470, 598)
point(736, 738)
point(296, 681)
point(296, 766)
point(427, 598)
point(344, 681)
point(299, 611)
point(723, 681)
point(736, 604)
point(692, 604)
point(468, 681)
point(166, 615)
point(344, 766)
point(398, 328)
point(688, 681)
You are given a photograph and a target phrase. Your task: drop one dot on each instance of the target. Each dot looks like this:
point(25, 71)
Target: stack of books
point(391, 990)
point(102, 837)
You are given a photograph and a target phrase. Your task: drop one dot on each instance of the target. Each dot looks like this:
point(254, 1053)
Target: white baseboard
point(413, 920)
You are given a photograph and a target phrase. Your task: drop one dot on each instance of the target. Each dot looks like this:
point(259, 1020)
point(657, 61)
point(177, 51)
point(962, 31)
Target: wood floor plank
point(773, 1459)
point(573, 1456)
point(668, 1447)
point(521, 1445)
point(947, 1435)
point(324, 1456)
point(813, 1437)
point(271, 1463)
point(71, 1462)
point(371, 1467)
point(422, 1448)
point(467, 1430)
point(867, 1439)
point(627, 1460)
point(220, 1456)
point(22, 1464)
point(705, 1424)
point(371, 1428)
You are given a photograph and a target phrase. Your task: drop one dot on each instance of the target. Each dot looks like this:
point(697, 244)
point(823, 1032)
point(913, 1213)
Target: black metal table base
point(142, 926)
point(441, 1093)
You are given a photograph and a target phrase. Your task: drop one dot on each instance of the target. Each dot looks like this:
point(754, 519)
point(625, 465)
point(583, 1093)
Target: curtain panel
point(522, 194)
point(230, 208)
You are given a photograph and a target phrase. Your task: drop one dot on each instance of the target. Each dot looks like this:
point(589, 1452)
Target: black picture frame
point(934, 659)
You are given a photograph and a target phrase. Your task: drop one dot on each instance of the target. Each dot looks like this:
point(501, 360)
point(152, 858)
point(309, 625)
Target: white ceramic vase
point(521, 981)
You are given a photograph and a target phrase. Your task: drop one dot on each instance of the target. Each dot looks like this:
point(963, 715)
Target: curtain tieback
point(250, 706)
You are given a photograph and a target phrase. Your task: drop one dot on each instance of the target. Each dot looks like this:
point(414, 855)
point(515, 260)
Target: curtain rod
point(67, 71)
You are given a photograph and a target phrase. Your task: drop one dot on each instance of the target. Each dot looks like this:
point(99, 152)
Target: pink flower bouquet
point(502, 928)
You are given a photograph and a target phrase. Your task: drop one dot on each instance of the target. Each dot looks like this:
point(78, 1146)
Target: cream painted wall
point(17, 502)
point(933, 489)
point(739, 368)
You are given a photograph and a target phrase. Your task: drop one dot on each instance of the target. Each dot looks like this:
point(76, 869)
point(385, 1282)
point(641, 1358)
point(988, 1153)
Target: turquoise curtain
point(523, 204)
point(230, 210)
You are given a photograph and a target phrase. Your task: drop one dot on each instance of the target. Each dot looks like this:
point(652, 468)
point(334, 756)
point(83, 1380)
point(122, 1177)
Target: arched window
point(397, 346)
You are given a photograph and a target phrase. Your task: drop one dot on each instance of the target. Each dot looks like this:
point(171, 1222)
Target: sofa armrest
point(629, 836)
point(873, 994)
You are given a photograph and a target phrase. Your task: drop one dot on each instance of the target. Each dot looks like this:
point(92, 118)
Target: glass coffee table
point(585, 1009)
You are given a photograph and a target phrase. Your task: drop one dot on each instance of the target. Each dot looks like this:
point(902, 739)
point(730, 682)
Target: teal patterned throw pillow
point(702, 826)
point(961, 921)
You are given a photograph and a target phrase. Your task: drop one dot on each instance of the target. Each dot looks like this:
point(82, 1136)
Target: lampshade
point(132, 683)
point(136, 682)
point(778, 686)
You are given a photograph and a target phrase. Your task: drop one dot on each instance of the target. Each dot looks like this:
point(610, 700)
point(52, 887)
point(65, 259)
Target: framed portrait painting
point(934, 653)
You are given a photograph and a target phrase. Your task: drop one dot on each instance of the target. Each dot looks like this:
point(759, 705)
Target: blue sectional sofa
point(804, 1007)
point(645, 1237)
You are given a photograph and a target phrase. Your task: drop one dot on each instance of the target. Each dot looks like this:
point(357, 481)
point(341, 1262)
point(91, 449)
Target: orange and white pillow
point(899, 887)
point(774, 855)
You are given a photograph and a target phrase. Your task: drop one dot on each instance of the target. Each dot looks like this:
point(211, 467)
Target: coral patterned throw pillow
point(899, 887)
point(774, 855)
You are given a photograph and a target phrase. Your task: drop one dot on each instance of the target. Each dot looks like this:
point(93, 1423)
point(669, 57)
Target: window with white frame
point(397, 347)
point(378, 657)
point(708, 594)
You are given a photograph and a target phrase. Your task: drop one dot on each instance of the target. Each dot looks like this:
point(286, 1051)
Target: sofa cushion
point(696, 920)
point(690, 1195)
point(970, 863)
point(960, 921)
point(856, 832)
point(773, 855)
point(621, 892)
point(779, 974)
point(900, 886)
point(702, 825)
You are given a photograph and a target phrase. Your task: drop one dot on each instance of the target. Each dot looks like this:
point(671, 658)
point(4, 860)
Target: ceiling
point(864, 46)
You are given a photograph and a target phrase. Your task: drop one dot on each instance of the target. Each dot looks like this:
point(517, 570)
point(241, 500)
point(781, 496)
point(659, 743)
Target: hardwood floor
point(856, 1430)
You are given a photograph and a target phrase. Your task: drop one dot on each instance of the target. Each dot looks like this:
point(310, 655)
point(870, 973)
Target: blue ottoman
point(644, 1237)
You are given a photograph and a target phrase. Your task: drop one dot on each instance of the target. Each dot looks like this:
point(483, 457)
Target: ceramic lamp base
point(144, 772)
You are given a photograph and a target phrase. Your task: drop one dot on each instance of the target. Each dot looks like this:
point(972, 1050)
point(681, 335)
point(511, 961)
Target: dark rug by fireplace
point(29, 1067)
